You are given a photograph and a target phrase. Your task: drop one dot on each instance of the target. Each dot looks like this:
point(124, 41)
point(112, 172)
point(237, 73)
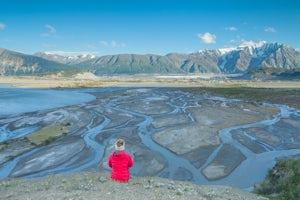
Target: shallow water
point(17, 101)
point(161, 103)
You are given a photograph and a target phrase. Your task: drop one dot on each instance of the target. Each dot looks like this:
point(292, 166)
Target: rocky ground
point(87, 185)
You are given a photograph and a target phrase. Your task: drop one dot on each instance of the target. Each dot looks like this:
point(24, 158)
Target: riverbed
point(200, 138)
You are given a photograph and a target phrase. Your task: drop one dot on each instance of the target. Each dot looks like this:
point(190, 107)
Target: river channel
point(169, 133)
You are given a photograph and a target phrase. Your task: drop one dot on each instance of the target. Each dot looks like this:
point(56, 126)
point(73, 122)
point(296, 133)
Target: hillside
point(87, 185)
point(268, 57)
point(282, 181)
point(255, 61)
point(14, 63)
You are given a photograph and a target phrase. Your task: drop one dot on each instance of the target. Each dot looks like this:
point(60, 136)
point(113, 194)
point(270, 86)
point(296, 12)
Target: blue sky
point(145, 26)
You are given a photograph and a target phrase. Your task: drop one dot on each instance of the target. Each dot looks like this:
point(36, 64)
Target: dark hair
point(120, 142)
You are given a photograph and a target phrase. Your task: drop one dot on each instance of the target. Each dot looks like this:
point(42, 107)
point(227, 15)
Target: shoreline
point(139, 81)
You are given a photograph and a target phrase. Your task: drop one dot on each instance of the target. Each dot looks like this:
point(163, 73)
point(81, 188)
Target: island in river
point(189, 134)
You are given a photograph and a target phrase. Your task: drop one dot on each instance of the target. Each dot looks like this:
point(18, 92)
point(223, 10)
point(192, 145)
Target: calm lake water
point(16, 101)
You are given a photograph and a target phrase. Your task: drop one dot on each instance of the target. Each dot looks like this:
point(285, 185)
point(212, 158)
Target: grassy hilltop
point(87, 185)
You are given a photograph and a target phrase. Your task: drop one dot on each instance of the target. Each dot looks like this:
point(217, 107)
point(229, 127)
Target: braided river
point(199, 138)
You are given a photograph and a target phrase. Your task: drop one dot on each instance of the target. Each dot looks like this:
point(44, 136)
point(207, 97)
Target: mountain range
point(255, 60)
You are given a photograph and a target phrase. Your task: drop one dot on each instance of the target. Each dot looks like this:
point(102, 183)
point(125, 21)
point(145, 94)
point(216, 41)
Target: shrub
point(282, 181)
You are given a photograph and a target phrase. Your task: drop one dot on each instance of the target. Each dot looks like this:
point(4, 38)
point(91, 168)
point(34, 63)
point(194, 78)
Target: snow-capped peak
point(251, 44)
point(47, 53)
point(66, 57)
point(227, 50)
point(71, 55)
point(251, 47)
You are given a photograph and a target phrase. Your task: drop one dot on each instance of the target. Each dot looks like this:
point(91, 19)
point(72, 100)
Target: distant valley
point(256, 61)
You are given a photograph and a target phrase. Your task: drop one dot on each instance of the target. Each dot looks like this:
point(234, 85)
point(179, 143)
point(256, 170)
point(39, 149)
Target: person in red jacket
point(120, 162)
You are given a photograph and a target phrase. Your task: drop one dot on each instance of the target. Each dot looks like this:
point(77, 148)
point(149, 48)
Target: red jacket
point(120, 162)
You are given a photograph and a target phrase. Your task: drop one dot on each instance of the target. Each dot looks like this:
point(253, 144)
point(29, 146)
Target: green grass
point(48, 134)
point(283, 181)
point(290, 97)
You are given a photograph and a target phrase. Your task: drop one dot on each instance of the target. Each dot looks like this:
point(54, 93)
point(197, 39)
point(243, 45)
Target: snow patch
point(251, 44)
point(227, 50)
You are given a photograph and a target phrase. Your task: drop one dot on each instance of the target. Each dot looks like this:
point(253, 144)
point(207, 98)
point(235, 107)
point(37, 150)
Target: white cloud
point(2, 26)
point(45, 35)
point(232, 28)
point(90, 46)
point(113, 44)
point(51, 31)
point(270, 29)
point(207, 38)
point(49, 45)
point(51, 28)
point(104, 43)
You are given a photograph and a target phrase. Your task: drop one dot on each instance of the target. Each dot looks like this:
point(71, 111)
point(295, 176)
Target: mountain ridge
point(15, 63)
point(246, 59)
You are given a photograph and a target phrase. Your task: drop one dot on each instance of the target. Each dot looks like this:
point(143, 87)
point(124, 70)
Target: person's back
point(120, 162)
